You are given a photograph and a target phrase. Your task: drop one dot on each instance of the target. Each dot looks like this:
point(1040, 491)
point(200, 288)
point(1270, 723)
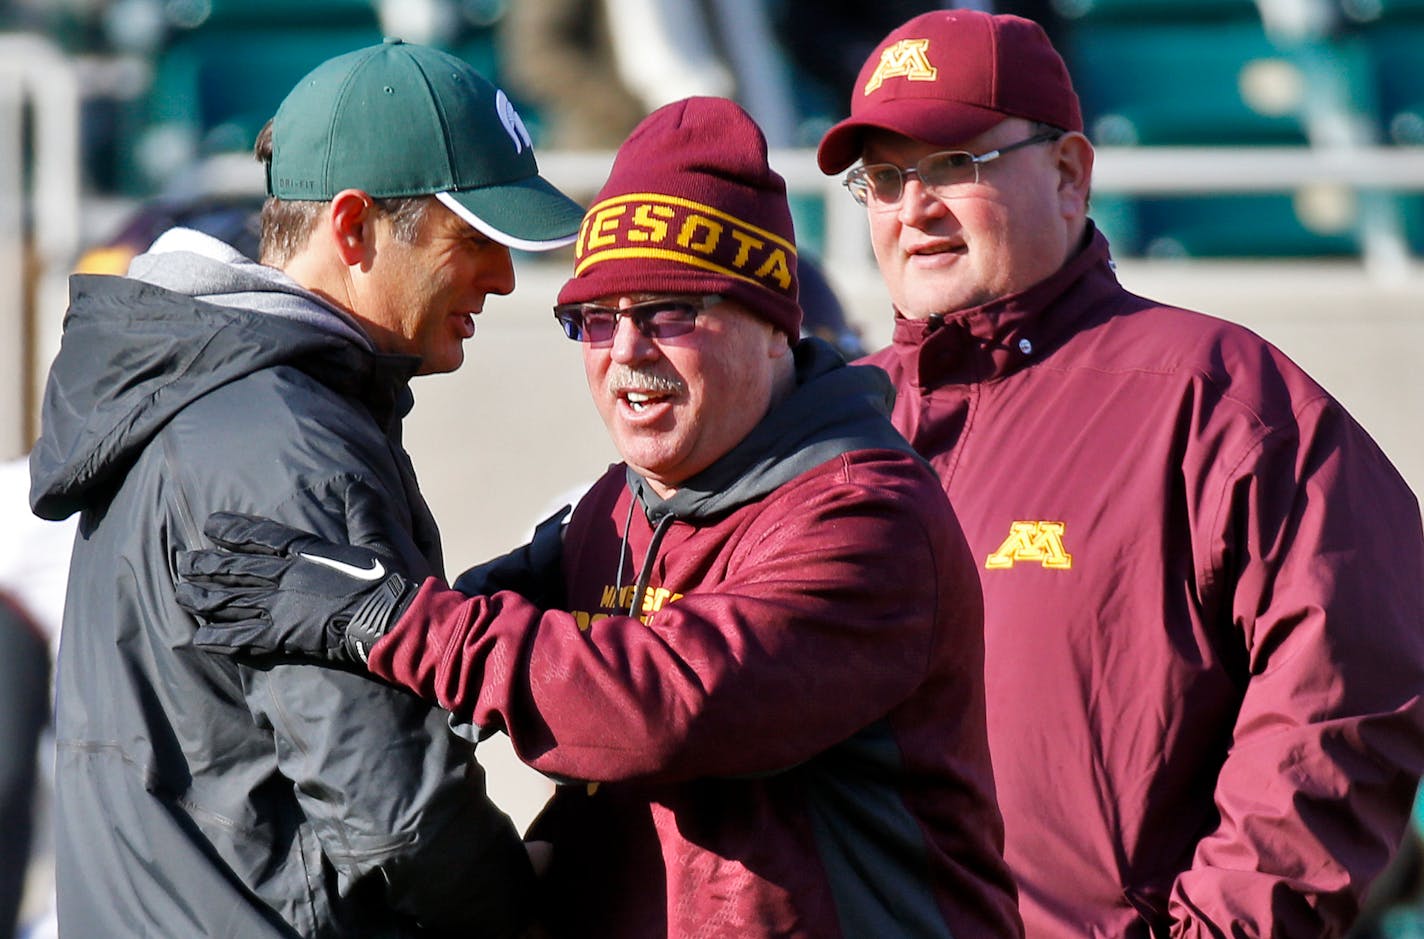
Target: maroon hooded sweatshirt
point(1204, 586)
point(786, 738)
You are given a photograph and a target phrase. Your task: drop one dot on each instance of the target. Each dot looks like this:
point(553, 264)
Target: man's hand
point(275, 589)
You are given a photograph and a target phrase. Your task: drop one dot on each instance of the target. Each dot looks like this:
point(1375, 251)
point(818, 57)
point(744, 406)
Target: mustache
point(622, 378)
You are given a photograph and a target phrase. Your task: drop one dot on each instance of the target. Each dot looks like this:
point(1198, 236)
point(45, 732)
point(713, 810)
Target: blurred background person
point(559, 55)
point(24, 712)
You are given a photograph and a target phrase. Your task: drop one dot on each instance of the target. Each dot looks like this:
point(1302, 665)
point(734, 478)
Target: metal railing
point(39, 219)
point(1139, 171)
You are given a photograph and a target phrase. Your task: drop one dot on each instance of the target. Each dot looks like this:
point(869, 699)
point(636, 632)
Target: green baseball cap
point(399, 120)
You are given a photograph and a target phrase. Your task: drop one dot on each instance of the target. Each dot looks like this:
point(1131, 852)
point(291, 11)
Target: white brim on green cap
point(529, 214)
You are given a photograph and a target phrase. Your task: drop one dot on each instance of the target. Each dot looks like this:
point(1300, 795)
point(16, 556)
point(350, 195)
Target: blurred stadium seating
point(1171, 73)
point(1153, 74)
point(1227, 129)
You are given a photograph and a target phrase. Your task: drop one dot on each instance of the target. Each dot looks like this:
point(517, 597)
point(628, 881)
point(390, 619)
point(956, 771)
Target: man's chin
point(441, 364)
point(945, 299)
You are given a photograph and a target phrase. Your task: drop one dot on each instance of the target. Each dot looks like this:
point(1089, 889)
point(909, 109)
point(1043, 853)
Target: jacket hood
point(196, 265)
point(835, 408)
point(193, 315)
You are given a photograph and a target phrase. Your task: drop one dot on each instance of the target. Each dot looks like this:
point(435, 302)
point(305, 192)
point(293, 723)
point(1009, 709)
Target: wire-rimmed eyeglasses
point(663, 318)
point(881, 185)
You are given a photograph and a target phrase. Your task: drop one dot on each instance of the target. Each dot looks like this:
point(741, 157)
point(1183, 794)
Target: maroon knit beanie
point(691, 207)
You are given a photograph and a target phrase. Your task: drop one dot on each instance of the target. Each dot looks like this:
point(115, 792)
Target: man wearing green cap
point(199, 796)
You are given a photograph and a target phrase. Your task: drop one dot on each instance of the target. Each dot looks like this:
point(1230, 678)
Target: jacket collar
point(998, 338)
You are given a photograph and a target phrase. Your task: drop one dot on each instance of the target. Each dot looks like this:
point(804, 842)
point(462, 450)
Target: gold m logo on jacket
point(1032, 541)
point(906, 59)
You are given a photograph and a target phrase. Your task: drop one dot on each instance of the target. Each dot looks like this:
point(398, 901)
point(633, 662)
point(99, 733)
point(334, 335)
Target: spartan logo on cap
point(511, 121)
point(905, 59)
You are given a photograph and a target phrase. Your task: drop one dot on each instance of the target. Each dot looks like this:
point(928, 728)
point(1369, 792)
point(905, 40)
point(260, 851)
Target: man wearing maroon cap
point(1203, 581)
point(758, 670)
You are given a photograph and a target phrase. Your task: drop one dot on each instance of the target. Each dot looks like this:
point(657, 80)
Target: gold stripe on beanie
point(669, 228)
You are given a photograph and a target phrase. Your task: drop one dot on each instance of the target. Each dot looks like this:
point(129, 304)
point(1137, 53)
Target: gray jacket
point(202, 796)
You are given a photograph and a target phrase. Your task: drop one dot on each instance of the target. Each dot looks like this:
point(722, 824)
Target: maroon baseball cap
point(948, 76)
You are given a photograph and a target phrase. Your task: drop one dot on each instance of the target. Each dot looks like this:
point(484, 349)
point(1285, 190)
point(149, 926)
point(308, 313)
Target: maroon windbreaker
point(1204, 587)
point(787, 738)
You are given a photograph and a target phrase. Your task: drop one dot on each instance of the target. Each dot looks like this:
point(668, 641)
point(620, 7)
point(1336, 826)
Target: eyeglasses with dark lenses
point(881, 185)
point(664, 318)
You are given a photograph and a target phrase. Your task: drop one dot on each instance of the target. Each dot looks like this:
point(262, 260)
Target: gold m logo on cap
point(666, 228)
point(906, 59)
point(1037, 542)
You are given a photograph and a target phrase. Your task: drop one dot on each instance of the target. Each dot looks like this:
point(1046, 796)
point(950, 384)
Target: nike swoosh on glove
point(270, 589)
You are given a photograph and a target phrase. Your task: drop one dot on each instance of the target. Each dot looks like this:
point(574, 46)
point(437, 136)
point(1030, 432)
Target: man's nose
point(917, 201)
point(498, 276)
point(629, 343)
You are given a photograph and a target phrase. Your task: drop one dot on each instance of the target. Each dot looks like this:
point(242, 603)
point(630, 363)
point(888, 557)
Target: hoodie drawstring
point(623, 550)
point(663, 525)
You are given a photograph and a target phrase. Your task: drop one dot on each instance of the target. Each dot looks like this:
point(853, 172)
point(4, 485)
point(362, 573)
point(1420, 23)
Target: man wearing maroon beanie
point(756, 668)
point(1203, 582)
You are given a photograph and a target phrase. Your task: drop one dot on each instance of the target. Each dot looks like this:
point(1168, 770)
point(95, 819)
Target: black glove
point(277, 589)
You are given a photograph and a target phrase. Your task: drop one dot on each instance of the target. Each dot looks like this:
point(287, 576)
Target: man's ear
point(778, 343)
point(350, 218)
point(1075, 173)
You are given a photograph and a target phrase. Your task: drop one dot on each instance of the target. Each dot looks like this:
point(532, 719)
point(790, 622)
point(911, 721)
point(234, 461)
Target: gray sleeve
point(392, 794)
